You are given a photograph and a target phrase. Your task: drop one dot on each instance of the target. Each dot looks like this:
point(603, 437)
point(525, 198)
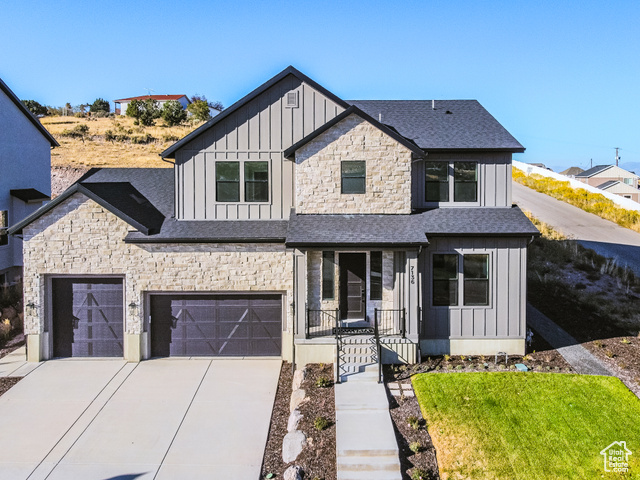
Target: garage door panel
point(216, 325)
point(87, 317)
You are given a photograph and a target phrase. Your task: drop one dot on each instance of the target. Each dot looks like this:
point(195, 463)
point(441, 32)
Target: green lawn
point(527, 425)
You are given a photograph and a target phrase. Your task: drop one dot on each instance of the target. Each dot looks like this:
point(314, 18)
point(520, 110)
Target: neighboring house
point(123, 103)
point(605, 173)
point(289, 214)
point(622, 189)
point(571, 172)
point(25, 175)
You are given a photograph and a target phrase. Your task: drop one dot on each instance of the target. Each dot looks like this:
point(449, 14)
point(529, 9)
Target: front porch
point(356, 297)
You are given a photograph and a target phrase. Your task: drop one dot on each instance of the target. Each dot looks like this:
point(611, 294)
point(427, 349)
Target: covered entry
point(215, 325)
point(87, 317)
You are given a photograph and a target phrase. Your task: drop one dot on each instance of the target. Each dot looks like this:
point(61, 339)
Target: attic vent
point(140, 200)
point(292, 100)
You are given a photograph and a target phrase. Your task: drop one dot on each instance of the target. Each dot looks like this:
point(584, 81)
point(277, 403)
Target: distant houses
point(123, 103)
point(612, 179)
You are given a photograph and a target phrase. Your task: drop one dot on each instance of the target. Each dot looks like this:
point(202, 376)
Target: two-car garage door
point(88, 321)
point(216, 325)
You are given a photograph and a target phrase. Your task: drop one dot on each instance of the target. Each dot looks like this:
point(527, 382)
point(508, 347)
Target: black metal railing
point(391, 322)
point(338, 347)
point(376, 338)
point(321, 323)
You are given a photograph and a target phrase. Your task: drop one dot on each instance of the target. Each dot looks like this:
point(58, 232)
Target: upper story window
point(256, 182)
point(451, 180)
point(4, 223)
point(354, 175)
point(456, 276)
point(255, 176)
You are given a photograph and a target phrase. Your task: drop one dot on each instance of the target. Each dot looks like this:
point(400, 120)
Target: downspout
point(293, 307)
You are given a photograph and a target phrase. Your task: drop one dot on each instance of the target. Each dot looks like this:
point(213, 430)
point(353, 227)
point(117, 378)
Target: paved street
point(603, 236)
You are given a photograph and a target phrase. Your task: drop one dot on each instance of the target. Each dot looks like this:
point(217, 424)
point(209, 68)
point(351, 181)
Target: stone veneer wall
point(314, 289)
point(79, 237)
point(318, 172)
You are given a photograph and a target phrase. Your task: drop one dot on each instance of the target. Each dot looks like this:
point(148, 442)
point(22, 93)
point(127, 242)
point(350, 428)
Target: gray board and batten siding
point(494, 179)
point(259, 130)
point(505, 316)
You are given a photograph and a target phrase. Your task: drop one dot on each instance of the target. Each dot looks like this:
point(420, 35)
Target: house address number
point(412, 270)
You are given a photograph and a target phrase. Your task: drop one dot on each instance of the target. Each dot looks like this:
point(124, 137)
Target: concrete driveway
point(159, 419)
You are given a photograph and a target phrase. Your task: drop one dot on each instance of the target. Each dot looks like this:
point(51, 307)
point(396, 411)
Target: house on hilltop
point(123, 103)
point(25, 175)
point(289, 221)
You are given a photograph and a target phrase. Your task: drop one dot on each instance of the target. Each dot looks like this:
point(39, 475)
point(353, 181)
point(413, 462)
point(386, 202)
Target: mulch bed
point(401, 408)
point(11, 344)
point(621, 355)
point(318, 459)
point(7, 382)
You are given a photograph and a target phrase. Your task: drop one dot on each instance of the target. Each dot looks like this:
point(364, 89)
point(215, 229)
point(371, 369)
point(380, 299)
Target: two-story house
point(291, 216)
point(25, 175)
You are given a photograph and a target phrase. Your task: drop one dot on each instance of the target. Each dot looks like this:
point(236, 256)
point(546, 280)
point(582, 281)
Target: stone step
point(357, 358)
point(358, 340)
point(369, 463)
point(369, 475)
point(358, 348)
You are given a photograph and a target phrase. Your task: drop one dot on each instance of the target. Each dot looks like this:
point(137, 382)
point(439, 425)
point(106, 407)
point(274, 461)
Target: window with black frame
point(256, 182)
point(354, 174)
point(465, 182)
point(227, 181)
point(437, 181)
point(328, 275)
point(445, 279)
point(476, 279)
point(4, 223)
point(375, 282)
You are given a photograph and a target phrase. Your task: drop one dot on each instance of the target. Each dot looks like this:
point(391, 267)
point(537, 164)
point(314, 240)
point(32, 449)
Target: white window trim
point(461, 254)
point(451, 202)
point(242, 184)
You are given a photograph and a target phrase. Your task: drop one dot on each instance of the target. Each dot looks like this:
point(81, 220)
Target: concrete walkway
point(15, 364)
point(580, 359)
point(366, 445)
point(158, 419)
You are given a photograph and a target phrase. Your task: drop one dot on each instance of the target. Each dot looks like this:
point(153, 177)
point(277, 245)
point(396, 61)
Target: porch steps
point(356, 353)
point(366, 445)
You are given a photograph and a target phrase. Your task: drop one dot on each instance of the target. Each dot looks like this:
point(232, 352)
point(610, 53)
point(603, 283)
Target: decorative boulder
point(294, 420)
point(298, 377)
point(293, 473)
point(297, 398)
point(292, 445)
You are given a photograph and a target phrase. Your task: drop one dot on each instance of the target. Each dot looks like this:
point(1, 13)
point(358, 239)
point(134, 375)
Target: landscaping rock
point(294, 420)
point(293, 473)
point(298, 377)
point(297, 398)
point(292, 445)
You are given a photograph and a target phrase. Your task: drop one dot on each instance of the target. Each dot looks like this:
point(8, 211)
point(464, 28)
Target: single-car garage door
point(87, 317)
point(216, 325)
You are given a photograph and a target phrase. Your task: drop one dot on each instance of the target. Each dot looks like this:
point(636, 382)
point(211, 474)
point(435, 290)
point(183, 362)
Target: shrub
point(625, 341)
point(142, 139)
point(34, 107)
point(172, 113)
point(420, 474)
point(323, 382)
point(79, 131)
point(415, 447)
point(413, 422)
point(320, 423)
point(170, 138)
point(200, 110)
point(100, 105)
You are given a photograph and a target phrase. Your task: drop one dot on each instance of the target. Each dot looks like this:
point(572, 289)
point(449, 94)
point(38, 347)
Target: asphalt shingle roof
point(508, 221)
point(607, 184)
point(468, 125)
point(355, 230)
point(594, 170)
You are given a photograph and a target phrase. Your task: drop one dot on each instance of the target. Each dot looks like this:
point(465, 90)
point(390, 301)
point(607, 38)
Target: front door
point(353, 273)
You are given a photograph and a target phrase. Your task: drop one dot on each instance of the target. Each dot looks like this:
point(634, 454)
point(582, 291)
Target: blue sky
point(562, 76)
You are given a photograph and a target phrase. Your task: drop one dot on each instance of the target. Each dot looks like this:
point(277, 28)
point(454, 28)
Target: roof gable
point(170, 152)
point(353, 110)
point(160, 98)
point(25, 111)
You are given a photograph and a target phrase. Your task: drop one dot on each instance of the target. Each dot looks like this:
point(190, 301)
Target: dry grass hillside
point(110, 142)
